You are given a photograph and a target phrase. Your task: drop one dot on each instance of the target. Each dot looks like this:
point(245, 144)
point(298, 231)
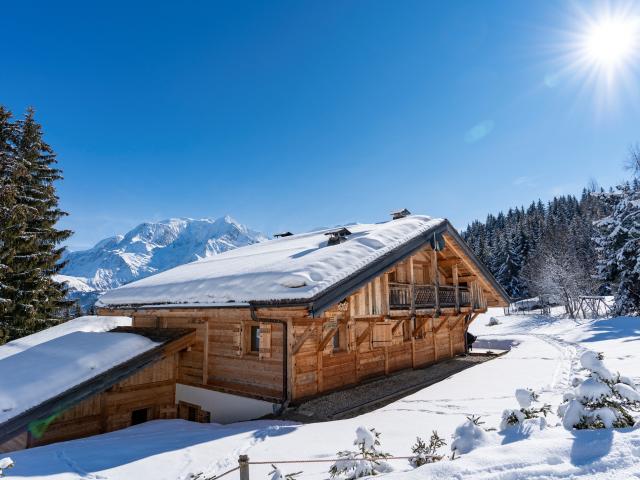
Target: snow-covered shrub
point(468, 435)
point(493, 321)
point(602, 400)
point(365, 461)
point(423, 453)
point(276, 474)
point(5, 464)
point(526, 398)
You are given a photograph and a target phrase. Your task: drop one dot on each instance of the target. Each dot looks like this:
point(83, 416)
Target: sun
point(599, 50)
point(611, 42)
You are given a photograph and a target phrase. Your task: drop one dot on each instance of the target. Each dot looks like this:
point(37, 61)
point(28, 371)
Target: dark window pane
point(336, 341)
point(139, 416)
point(255, 339)
point(192, 414)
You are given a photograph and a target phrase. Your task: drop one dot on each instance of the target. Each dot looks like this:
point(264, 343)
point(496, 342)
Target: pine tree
point(9, 211)
point(529, 250)
point(32, 247)
point(618, 244)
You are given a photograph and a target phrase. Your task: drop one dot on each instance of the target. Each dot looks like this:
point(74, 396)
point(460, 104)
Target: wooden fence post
point(243, 462)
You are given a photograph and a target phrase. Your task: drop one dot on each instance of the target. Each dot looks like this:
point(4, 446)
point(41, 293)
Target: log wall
point(221, 357)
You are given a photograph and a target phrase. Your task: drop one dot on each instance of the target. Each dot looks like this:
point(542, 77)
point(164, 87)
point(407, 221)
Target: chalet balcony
point(424, 296)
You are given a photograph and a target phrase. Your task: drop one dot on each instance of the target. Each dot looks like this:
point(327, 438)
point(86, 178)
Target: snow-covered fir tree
point(5, 464)
point(29, 240)
point(277, 474)
point(8, 212)
point(367, 460)
point(518, 246)
point(526, 398)
point(603, 399)
point(424, 452)
point(618, 243)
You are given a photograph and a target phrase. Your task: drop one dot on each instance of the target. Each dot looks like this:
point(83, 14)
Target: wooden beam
point(205, 354)
point(397, 325)
point(454, 273)
point(303, 338)
point(455, 322)
point(436, 280)
point(412, 282)
point(444, 321)
point(327, 338)
point(419, 327)
point(449, 262)
point(361, 338)
point(473, 317)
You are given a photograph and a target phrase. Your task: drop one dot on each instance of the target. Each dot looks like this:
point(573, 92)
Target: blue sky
point(290, 115)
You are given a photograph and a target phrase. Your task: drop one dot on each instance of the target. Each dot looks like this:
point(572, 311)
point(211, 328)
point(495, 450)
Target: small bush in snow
point(493, 321)
point(468, 436)
point(602, 400)
point(526, 398)
point(365, 461)
point(5, 464)
point(423, 453)
point(276, 474)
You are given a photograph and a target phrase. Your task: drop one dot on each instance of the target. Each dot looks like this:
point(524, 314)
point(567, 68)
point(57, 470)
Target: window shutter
point(265, 340)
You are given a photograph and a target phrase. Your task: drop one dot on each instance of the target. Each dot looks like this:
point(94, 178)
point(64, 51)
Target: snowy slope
point(151, 248)
point(294, 267)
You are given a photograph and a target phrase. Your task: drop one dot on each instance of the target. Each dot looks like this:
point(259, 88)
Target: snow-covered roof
point(55, 365)
point(89, 323)
point(295, 267)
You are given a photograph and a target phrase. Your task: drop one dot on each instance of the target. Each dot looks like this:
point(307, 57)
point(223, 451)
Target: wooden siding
point(221, 357)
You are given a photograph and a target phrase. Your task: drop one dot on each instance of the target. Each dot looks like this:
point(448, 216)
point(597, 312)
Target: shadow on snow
point(615, 328)
point(115, 449)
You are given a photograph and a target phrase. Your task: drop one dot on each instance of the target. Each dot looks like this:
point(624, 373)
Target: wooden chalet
point(244, 333)
point(302, 315)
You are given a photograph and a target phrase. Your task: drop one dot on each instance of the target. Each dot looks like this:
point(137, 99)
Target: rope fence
point(244, 463)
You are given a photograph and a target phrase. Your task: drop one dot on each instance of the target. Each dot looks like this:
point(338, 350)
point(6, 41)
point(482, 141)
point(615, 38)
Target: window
point(336, 341)
point(139, 416)
point(255, 339)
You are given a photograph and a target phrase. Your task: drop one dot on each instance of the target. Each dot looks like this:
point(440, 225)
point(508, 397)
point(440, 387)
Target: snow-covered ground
point(544, 358)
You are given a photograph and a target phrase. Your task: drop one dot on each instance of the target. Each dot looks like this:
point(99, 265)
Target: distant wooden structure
point(529, 306)
point(593, 306)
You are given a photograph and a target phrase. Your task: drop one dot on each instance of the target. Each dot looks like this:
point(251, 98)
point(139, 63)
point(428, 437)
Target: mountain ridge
point(147, 249)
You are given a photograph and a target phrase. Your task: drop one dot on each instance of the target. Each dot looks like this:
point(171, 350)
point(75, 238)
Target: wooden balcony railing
point(404, 296)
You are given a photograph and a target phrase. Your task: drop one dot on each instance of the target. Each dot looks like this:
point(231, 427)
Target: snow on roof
point(293, 267)
point(89, 323)
point(59, 363)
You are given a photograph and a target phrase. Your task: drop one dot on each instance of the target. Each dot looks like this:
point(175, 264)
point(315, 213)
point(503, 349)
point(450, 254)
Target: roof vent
point(400, 214)
point(337, 236)
point(282, 234)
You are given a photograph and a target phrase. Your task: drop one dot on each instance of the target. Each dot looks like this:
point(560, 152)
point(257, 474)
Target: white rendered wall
point(224, 407)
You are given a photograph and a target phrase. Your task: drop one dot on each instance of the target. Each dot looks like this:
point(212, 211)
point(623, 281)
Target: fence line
point(244, 463)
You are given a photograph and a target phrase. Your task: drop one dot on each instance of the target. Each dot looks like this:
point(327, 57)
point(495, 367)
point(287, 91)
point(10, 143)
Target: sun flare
point(611, 42)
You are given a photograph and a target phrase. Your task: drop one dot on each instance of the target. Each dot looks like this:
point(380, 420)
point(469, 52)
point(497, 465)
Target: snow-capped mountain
point(148, 249)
